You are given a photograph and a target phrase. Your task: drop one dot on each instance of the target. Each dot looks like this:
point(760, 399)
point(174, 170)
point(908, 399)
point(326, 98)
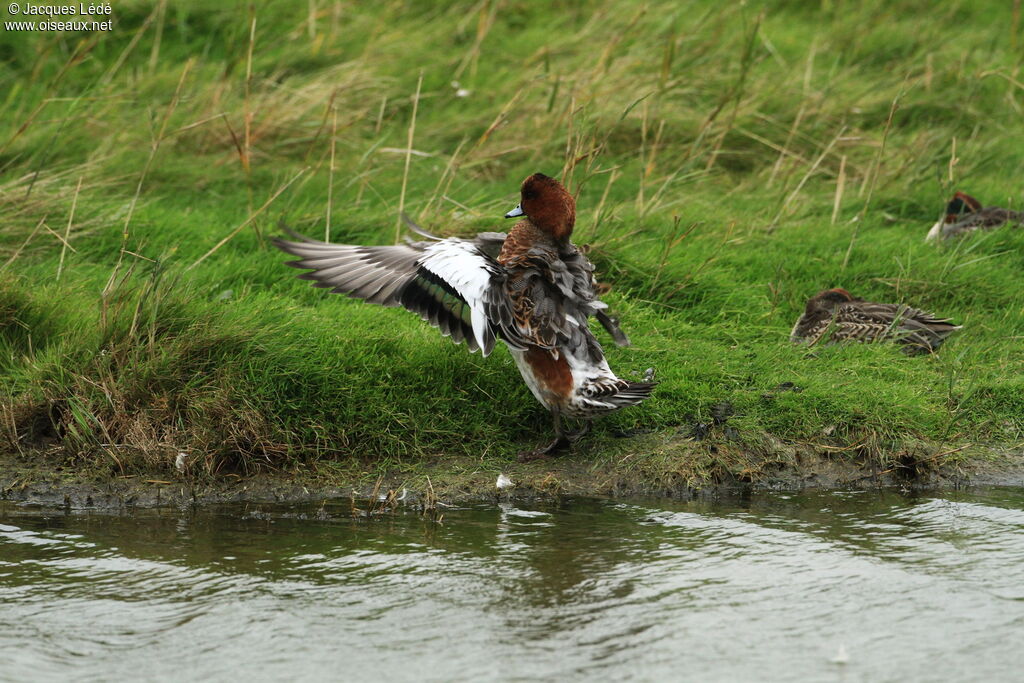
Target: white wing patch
point(461, 265)
point(450, 283)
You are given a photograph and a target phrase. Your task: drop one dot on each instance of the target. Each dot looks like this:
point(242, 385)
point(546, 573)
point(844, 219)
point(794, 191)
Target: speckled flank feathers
point(835, 315)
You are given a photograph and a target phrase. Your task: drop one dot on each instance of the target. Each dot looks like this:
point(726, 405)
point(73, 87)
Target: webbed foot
point(560, 443)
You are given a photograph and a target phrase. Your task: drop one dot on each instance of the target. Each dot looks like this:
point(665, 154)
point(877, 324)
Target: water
point(832, 586)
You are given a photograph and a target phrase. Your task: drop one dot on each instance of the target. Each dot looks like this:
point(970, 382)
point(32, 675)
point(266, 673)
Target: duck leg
point(573, 437)
point(561, 442)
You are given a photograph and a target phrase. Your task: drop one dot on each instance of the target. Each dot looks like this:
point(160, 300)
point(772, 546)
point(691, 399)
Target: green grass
point(728, 163)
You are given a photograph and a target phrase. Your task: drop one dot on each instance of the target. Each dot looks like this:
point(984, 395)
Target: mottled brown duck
point(835, 315)
point(965, 214)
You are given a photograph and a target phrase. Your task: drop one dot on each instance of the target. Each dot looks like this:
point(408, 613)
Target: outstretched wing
point(451, 283)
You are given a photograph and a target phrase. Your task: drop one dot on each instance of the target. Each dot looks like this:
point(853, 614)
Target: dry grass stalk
point(154, 54)
point(247, 148)
point(248, 220)
point(599, 211)
point(24, 244)
point(840, 186)
point(874, 178)
point(408, 159)
point(129, 48)
point(450, 169)
point(952, 162)
point(67, 230)
point(80, 52)
point(786, 145)
point(330, 174)
point(154, 146)
point(484, 24)
point(810, 172)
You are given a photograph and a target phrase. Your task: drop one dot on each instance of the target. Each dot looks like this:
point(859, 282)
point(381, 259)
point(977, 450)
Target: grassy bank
point(729, 163)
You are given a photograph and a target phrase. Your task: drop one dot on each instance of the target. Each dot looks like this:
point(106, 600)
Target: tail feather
point(610, 396)
point(926, 337)
point(612, 326)
point(633, 393)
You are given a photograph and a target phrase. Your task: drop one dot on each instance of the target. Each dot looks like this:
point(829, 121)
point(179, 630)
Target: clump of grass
point(135, 384)
point(728, 162)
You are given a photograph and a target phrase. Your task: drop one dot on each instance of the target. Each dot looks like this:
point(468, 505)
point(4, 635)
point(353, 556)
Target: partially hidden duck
point(835, 315)
point(965, 214)
point(531, 288)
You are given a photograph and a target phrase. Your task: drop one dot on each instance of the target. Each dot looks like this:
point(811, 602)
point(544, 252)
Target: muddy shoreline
point(30, 480)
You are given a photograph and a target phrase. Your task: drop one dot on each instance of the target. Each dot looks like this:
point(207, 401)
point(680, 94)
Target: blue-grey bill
point(518, 211)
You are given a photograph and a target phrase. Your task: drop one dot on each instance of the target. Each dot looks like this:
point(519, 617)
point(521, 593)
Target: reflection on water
point(772, 586)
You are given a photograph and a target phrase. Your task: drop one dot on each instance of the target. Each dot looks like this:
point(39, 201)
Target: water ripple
point(766, 587)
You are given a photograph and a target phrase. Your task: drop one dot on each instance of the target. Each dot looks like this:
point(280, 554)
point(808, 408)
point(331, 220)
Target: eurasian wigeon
point(530, 288)
point(836, 315)
point(965, 214)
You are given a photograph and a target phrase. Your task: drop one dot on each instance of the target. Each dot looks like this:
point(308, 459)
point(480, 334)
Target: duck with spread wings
point(531, 288)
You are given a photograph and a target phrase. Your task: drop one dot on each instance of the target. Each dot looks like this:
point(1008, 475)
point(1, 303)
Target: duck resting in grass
point(835, 315)
point(531, 288)
point(965, 214)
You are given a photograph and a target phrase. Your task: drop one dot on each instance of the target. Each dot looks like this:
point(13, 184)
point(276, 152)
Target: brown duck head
point(821, 306)
point(548, 205)
point(958, 208)
point(828, 300)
